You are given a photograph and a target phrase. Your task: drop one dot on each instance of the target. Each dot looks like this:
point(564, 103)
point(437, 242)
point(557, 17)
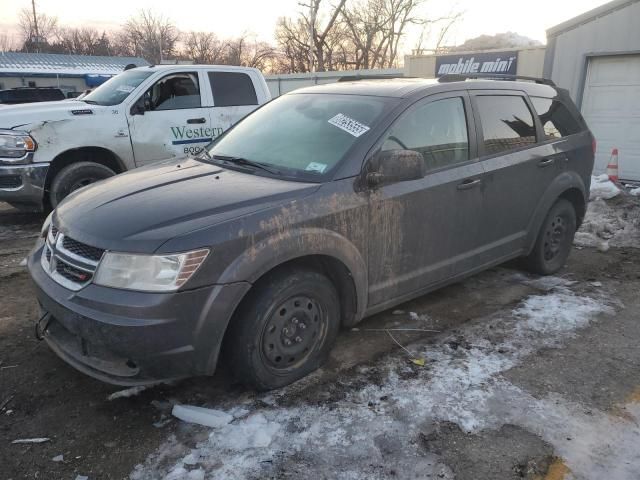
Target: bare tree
point(36, 38)
point(8, 43)
point(317, 33)
point(292, 37)
point(204, 48)
point(150, 36)
point(247, 51)
point(444, 26)
point(82, 41)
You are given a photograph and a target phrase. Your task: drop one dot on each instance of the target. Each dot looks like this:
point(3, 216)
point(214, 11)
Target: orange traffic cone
point(612, 168)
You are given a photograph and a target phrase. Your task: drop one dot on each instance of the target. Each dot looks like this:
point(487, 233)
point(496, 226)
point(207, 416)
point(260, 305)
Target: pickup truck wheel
point(554, 240)
point(75, 176)
point(284, 330)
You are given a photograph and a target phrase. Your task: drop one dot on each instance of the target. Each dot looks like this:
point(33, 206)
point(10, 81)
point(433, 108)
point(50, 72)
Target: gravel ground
point(505, 392)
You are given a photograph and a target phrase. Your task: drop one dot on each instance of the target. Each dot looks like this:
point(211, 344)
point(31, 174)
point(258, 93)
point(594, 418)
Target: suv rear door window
point(507, 123)
point(438, 130)
point(232, 89)
point(555, 117)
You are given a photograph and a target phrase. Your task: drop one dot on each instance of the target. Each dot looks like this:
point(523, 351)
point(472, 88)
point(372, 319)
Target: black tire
point(554, 240)
point(75, 176)
point(297, 306)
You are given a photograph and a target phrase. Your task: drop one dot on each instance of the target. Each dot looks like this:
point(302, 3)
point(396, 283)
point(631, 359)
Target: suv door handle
point(546, 162)
point(469, 183)
point(197, 120)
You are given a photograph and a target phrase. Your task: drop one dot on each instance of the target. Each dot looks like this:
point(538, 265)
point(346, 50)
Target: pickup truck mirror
point(393, 166)
point(138, 108)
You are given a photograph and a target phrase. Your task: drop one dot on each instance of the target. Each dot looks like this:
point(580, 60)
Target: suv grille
point(69, 262)
point(82, 249)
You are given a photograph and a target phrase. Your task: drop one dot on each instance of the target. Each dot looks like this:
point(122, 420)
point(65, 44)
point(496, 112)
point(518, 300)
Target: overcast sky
point(228, 18)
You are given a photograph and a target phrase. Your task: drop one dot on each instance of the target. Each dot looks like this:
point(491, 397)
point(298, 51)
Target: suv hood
point(21, 116)
point(140, 210)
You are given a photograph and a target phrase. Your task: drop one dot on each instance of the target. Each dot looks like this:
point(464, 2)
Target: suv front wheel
point(554, 240)
point(284, 330)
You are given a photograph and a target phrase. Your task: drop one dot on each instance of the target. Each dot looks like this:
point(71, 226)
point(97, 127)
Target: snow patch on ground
point(611, 225)
point(602, 187)
point(371, 431)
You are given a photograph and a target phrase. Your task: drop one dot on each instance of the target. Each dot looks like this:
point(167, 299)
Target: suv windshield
point(301, 135)
point(116, 89)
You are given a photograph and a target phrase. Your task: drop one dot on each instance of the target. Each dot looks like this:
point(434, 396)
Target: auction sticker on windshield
point(348, 124)
point(316, 167)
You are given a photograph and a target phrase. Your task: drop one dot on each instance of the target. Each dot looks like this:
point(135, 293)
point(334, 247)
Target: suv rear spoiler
point(458, 77)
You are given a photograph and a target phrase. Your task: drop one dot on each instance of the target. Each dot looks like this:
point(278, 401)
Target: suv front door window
point(441, 210)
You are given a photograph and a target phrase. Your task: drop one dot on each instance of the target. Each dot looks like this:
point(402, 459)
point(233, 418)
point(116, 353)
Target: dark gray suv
point(324, 206)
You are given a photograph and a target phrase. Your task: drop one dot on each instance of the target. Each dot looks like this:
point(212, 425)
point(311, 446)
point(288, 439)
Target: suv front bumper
point(135, 338)
point(23, 185)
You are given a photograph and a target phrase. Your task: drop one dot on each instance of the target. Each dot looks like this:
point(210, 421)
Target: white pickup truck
point(143, 115)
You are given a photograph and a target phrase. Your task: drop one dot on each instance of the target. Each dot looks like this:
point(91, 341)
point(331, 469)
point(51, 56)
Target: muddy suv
point(324, 206)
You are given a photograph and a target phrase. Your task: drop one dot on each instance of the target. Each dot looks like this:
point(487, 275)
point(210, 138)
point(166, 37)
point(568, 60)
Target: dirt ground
point(594, 369)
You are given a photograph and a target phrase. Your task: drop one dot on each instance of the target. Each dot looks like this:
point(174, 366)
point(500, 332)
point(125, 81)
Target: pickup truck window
point(116, 89)
point(232, 89)
point(174, 92)
point(304, 135)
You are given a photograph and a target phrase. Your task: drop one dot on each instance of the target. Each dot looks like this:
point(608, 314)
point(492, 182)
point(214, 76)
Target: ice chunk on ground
point(611, 224)
point(253, 432)
point(23, 262)
point(58, 458)
point(635, 192)
point(31, 440)
point(202, 416)
point(82, 477)
point(602, 187)
point(129, 392)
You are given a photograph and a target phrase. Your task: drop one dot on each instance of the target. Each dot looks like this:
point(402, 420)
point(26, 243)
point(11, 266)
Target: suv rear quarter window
point(232, 89)
point(507, 123)
point(555, 117)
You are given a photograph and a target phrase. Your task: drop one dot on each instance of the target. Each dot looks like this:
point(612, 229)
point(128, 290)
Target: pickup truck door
point(171, 118)
point(234, 96)
point(424, 231)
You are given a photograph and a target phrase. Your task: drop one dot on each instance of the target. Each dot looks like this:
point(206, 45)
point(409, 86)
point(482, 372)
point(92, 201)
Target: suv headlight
point(149, 273)
point(15, 145)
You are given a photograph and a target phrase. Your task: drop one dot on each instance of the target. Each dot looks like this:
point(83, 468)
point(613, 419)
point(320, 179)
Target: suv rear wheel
point(284, 330)
point(554, 240)
point(75, 176)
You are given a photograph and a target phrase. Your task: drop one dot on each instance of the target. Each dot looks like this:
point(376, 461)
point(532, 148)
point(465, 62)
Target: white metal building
point(596, 56)
point(70, 73)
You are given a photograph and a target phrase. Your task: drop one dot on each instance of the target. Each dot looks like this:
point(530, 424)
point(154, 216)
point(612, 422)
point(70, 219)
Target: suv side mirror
point(393, 166)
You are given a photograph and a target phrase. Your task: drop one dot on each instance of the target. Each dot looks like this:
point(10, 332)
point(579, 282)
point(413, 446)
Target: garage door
point(611, 106)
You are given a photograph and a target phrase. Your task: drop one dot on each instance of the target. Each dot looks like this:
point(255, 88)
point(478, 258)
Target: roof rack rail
point(460, 77)
point(355, 78)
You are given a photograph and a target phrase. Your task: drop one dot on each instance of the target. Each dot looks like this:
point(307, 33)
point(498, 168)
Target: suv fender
point(285, 246)
point(270, 253)
point(565, 182)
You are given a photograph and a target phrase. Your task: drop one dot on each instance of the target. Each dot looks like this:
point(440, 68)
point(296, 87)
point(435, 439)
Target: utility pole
point(35, 25)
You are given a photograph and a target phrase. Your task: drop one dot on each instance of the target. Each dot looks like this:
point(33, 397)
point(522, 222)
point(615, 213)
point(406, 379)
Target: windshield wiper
point(248, 163)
